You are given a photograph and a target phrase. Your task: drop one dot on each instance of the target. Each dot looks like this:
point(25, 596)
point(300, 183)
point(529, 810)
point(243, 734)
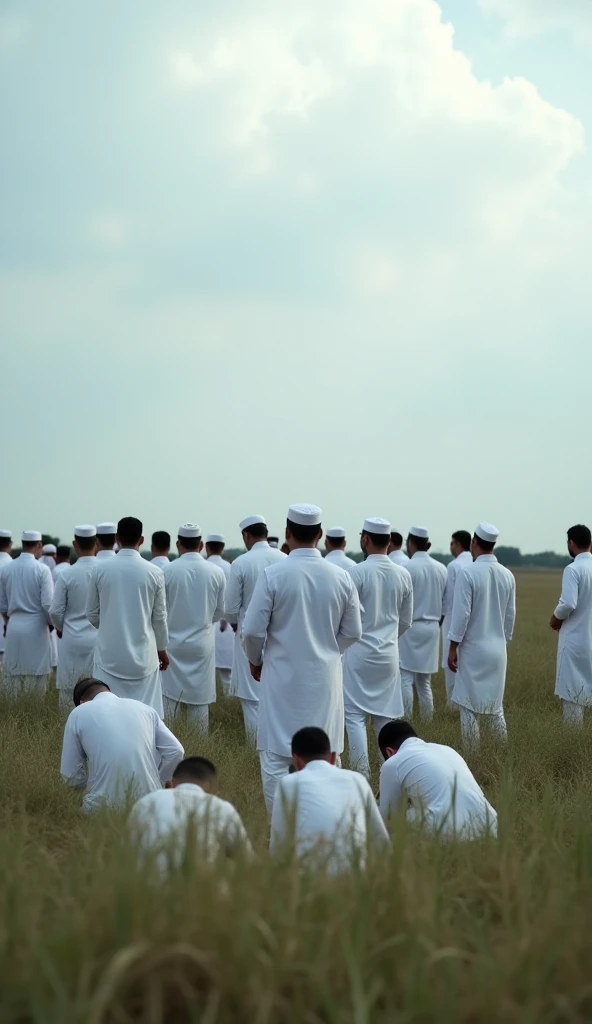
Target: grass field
point(492, 931)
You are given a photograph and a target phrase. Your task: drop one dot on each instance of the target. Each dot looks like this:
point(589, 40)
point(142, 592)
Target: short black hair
point(463, 537)
point(195, 769)
point(86, 543)
point(397, 539)
point(161, 539)
point(421, 543)
point(380, 540)
point(393, 734)
point(129, 531)
point(28, 545)
point(106, 540)
point(259, 531)
point(580, 536)
point(215, 546)
point(335, 542)
point(5, 543)
point(88, 688)
point(303, 534)
point(311, 743)
point(190, 543)
point(276, 540)
point(486, 545)
point(63, 551)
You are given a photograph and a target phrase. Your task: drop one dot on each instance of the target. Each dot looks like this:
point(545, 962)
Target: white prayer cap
point(49, 549)
point(305, 515)
point(85, 531)
point(215, 538)
point(6, 534)
point(419, 531)
point(31, 537)
point(252, 521)
point(487, 532)
point(107, 528)
point(336, 532)
point(377, 525)
point(189, 530)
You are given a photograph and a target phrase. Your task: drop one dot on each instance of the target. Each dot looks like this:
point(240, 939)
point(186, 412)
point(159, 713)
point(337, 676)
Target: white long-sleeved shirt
point(452, 571)
point(399, 558)
point(5, 559)
point(195, 600)
point(418, 648)
point(126, 603)
point(224, 636)
point(340, 559)
point(105, 553)
point(161, 561)
point(117, 749)
point(26, 592)
point(68, 614)
point(574, 653)
point(439, 786)
point(326, 811)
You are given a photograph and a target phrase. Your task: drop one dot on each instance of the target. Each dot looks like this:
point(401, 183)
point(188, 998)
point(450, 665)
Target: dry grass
point(476, 932)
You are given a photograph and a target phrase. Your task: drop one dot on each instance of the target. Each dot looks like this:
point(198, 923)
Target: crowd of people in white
point(312, 647)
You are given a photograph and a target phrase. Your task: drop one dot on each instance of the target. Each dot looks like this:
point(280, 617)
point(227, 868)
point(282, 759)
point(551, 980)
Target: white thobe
point(244, 573)
point(418, 648)
point(452, 571)
point(26, 592)
point(161, 561)
point(399, 558)
point(224, 635)
point(440, 788)
point(68, 615)
point(306, 614)
point(371, 676)
point(127, 604)
point(195, 600)
point(341, 560)
point(117, 750)
point(49, 561)
point(329, 813)
point(574, 653)
point(5, 559)
point(482, 622)
point(61, 567)
point(105, 554)
point(170, 823)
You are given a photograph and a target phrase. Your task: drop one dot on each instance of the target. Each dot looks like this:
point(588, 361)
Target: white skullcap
point(376, 525)
point(252, 521)
point(49, 549)
point(6, 534)
point(85, 531)
point(107, 528)
point(419, 531)
point(487, 532)
point(189, 530)
point(272, 543)
point(305, 515)
point(336, 532)
point(215, 538)
point(31, 537)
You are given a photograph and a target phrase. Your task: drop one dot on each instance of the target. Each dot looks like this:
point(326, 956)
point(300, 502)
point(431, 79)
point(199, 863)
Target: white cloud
point(530, 17)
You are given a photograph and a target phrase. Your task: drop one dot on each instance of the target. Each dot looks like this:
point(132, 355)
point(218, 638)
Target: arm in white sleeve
point(46, 593)
point(279, 820)
point(376, 826)
point(406, 612)
point(568, 602)
point(221, 601)
point(391, 793)
point(510, 616)
point(233, 600)
point(448, 590)
point(159, 616)
point(92, 601)
point(461, 607)
point(168, 749)
point(59, 603)
point(350, 627)
point(237, 840)
point(257, 620)
point(3, 596)
point(74, 765)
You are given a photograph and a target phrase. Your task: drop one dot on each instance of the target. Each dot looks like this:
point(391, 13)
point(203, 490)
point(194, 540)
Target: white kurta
point(103, 555)
point(5, 559)
point(60, 568)
point(341, 560)
point(26, 592)
point(195, 600)
point(452, 570)
point(418, 648)
point(161, 561)
point(224, 635)
point(371, 676)
point(306, 614)
point(244, 573)
point(483, 615)
point(68, 614)
point(441, 789)
point(574, 654)
point(127, 604)
point(399, 558)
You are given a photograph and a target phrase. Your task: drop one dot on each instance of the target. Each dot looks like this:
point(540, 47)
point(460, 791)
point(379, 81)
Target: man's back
point(429, 580)
point(399, 558)
point(27, 586)
point(341, 560)
point(194, 594)
point(68, 610)
point(484, 599)
point(385, 593)
point(577, 589)
point(244, 573)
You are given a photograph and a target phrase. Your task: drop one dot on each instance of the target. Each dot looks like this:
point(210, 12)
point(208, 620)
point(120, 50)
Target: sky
point(255, 253)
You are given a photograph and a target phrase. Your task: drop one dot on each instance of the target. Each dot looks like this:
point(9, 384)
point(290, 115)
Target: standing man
point(460, 549)
point(274, 542)
point(195, 600)
point(244, 573)
point(5, 559)
point(48, 557)
point(482, 623)
point(306, 614)
point(26, 592)
point(572, 619)
point(215, 544)
point(63, 559)
point(160, 548)
point(68, 615)
point(106, 533)
point(418, 649)
point(395, 552)
point(335, 545)
point(371, 676)
point(127, 604)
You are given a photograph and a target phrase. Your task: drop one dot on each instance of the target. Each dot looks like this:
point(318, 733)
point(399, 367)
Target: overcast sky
point(338, 252)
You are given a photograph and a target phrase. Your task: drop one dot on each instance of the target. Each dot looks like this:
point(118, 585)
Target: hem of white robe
point(574, 698)
point(183, 700)
point(478, 711)
point(379, 709)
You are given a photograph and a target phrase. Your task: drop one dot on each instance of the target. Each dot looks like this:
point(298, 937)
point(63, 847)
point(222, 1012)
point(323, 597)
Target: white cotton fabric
point(341, 560)
point(5, 559)
point(26, 592)
point(399, 558)
point(418, 648)
point(68, 615)
point(465, 558)
point(160, 561)
point(574, 653)
point(224, 636)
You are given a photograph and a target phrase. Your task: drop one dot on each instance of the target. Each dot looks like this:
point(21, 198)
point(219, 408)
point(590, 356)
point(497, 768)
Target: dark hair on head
point(86, 543)
point(397, 539)
point(393, 734)
point(88, 688)
point(215, 547)
point(380, 540)
point(303, 534)
point(161, 540)
point(259, 531)
point(580, 536)
point(5, 543)
point(129, 531)
point(106, 540)
point(195, 769)
point(335, 543)
point(275, 540)
point(463, 537)
point(63, 551)
point(421, 543)
point(29, 545)
point(190, 543)
point(486, 546)
point(311, 743)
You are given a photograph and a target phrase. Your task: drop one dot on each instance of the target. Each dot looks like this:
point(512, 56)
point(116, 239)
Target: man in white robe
point(460, 549)
point(244, 573)
point(160, 548)
point(481, 626)
point(68, 615)
point(419, 647)
point(127, 604)
point(63, 559)
point(215, 544)
point(395, 552)
point(335, 544)
point(305, 614)
point(106, 533)
point(115, 749)
point(26, 592)
point(371, 675)
point(195, 601)
point(434, 784)
point(48, 558)
point(572, 619)
point(5, 559)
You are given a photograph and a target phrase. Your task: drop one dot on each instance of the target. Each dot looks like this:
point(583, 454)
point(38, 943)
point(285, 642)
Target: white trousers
point(450, 679)
point(224, 675)
point(198, 715)
point(273, 768)
point(471, 732)
point(15, 686)
point(422, 683)
point(573, 714)
point(251, 718)
point(355, 723)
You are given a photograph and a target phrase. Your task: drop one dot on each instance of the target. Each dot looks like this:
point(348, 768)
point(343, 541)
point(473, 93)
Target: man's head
point(396, 541)
point(460, 541)
point(392, 735)
point(85, 541)
point(49, 551)
point(254, 530)
point(31, 543)
point(129, 533)
point(303, 527)
point(6, 541)
point(63, 554)
point(87, 689)
point(335, 539)
point(273, 542)
point(418, 540)
point(579, 540)
point(161, 543)
point(215, 544)
point(311, 744)
point(197, 771)
point(189, 539)
point(484, 539)
point(106, 533)
point(375, 537)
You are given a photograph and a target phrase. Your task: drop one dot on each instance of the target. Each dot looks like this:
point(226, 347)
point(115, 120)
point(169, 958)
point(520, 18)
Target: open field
point(482, 932)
